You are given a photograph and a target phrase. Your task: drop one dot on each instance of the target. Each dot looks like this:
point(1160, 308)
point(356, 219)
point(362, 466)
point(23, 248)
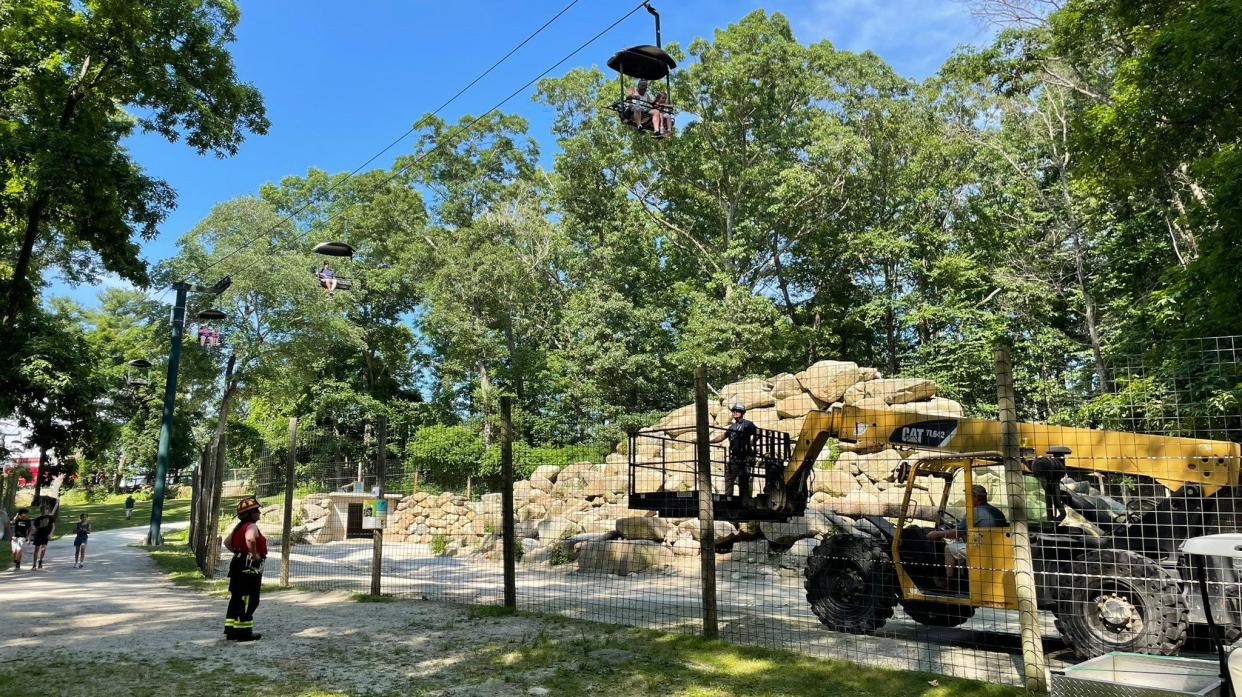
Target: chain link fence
point(851, 515)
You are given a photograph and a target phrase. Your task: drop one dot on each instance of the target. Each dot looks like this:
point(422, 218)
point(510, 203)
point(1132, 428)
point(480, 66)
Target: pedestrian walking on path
point(43, 527)
point(249, 548)
point(81, 531)
point(21, 534)
point(129, 506)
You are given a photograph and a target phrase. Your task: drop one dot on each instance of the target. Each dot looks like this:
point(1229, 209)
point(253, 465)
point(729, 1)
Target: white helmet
point(738, 406)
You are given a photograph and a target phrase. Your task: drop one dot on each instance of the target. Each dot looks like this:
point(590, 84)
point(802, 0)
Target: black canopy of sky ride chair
point(644, 62)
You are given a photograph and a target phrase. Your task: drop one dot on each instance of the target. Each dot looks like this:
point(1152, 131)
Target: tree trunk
point(890, 321)
point(18, 287)
point(10, 490)
point(212, 523)
point(485, 392)
point(212, 481)
point(1090, 313)
point(816, 326)
point(515, 363)
point(120, 470)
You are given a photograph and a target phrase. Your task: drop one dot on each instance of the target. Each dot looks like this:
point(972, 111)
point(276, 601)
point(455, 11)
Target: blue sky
point(342, 80)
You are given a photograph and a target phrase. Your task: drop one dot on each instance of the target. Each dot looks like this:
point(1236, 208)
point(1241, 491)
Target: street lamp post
point(170, 399)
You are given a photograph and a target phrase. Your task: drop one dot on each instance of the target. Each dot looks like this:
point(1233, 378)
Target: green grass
point(368, 598)
point(137, 678)
point(669, 665)
point(567, 657)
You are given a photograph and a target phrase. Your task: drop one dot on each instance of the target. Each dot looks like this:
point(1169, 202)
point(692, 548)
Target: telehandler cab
point(1111, 574)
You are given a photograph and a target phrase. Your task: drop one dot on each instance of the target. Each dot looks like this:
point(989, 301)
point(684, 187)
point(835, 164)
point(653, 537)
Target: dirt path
point(120, 608)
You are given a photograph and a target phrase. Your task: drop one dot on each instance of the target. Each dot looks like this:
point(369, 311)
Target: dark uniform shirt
point(21, 527)
point(42, 529)
point(741, 438)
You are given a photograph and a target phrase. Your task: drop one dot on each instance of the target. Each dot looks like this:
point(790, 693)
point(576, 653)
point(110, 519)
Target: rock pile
point(580, 512)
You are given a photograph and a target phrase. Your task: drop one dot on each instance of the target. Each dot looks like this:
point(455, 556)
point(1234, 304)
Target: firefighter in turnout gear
point(249, 548)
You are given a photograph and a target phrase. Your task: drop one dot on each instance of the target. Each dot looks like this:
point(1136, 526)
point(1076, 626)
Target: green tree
point(78, 78)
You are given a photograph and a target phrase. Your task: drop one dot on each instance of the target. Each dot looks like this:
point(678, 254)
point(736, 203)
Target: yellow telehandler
point(1110, 572)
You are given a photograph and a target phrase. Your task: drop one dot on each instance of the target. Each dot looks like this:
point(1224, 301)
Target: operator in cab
point(986, 516)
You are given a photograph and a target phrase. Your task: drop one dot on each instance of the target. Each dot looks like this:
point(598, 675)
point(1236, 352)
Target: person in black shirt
point(21, 532)
point(43, 526)
point(741, 435)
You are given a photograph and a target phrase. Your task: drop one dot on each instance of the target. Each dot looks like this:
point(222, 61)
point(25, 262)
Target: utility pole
point(170, 401)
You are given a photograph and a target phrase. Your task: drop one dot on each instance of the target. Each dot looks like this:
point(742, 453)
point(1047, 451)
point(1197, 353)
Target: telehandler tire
point(933, 614)
point(1116, 600)
point(850, 584)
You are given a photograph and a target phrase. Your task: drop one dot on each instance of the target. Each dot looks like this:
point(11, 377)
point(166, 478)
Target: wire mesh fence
point(852, 516)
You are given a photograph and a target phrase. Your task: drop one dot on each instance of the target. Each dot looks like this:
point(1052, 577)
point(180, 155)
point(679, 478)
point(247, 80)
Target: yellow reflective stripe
point(230, 623)
point(244, 625)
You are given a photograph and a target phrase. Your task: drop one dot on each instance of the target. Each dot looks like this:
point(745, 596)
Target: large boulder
point(679, 419)
point(792, 426)
point(685, 547)
point(798, 553)
point(796, 528)
point(892, 390)
point(644, 528)
point(556, 528)
point(835, 482)
point(752, 551)
point(622, 557)
point(725, 531)
point(878, 466)
point(540, 482)
point(785, 385)
point(752, 393)
point(827, 381)
point(936, 406)
point(764, 418)
point(798, 405)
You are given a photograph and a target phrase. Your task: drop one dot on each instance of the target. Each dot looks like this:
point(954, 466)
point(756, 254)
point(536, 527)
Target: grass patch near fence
point(628, 662)
point(135, 678)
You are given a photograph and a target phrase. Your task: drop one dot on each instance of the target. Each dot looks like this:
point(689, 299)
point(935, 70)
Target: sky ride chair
point(646, 64)
point(333, 249)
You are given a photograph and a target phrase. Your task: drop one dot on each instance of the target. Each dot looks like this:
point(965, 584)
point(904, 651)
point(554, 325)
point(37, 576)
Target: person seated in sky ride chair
point(661, 123)
point(638, 104)
point(327, 277)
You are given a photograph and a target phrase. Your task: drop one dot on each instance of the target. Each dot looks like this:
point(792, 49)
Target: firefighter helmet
point(249, 503)
point(738, 406)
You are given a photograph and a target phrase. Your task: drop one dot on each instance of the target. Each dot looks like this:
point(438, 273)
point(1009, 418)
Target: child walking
point(21, 534)
point(81, 531)
point(43, 527)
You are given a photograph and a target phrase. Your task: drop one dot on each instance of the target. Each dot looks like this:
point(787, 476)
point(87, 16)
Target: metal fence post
point(381, 504)
point(506, 501)
point(286, 526)
point(1033, 662)
point(707, 521)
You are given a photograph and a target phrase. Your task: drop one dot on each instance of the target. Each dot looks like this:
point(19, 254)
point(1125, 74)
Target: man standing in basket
point(249, 548)
point(741, 434)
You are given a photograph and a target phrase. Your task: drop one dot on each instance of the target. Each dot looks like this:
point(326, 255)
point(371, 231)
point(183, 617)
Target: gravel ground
point(120, 608)
point(757, 605)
